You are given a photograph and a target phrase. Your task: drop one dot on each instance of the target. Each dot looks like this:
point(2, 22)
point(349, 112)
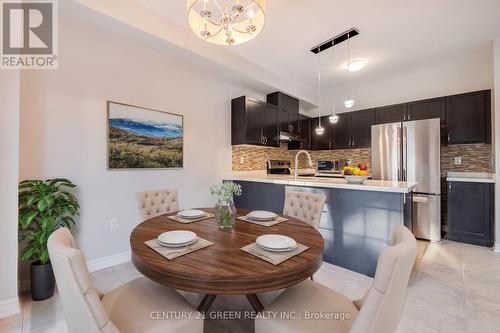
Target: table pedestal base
point(208, 300)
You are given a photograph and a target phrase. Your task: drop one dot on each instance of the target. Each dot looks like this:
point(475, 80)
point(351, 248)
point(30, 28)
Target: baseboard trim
point(497, 248)
point(9, 308)
point(106, 262)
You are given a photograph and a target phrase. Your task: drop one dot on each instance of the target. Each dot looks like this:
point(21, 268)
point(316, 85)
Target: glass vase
point(225, 214)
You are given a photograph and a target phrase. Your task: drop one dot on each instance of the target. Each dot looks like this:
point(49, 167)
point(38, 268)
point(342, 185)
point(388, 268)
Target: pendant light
point(319, 130)
point(349, 102)
point(334, 118)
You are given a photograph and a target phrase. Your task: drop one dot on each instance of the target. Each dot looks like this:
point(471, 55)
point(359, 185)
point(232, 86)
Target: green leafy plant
point(225, 190)
point(44, 206)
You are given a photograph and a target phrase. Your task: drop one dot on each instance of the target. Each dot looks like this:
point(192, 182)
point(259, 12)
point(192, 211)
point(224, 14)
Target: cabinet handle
point(265, 140)
point(262, 140)
point(291, 126)
point(409, 116)
point(448, 138)
point(329, 145)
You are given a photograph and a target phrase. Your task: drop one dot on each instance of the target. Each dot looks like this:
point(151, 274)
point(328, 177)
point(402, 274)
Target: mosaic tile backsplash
point(475, 157)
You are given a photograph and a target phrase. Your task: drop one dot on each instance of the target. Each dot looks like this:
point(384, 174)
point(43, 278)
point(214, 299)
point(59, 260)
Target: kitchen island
point(357, 219)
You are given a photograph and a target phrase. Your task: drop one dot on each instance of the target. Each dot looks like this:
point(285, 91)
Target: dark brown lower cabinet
point(471, 212)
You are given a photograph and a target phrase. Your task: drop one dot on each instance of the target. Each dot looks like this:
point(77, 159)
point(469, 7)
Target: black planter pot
point(42, 281)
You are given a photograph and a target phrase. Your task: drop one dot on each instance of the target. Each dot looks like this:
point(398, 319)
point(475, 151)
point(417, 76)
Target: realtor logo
point(29, 34)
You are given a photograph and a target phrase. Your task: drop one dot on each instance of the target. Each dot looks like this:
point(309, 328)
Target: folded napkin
point(174, 252)
point(274, 258)
point(270, 223)
point(179, 219)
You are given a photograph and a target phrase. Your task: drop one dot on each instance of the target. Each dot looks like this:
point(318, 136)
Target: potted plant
point(225, 211)
point(44, 206)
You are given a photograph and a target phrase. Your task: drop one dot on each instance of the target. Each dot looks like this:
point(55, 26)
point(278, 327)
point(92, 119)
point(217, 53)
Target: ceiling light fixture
point(333, 118)
point(349, 102)
point(226, 22)
point(355, 65)
point(319, 130)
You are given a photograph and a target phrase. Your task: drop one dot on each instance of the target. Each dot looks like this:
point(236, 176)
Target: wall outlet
point(457, 160)
point(242, 160)
point(113, 224)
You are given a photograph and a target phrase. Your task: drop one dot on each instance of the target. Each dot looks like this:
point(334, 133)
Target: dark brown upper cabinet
point(288, 111)
point(428, 109)
point(468, 117)
point(353, 130)
point(254, 122)
point(342, 132)
point(361, 128)
point(322, 142)
point(390, 114)
point(305, 134)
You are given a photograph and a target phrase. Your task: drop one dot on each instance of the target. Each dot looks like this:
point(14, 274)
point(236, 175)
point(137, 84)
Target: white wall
point(496, 103)
point(63, 127)
point(9, 175)
point(467, 71)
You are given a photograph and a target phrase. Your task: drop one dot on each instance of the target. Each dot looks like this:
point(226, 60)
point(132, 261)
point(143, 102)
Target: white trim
point(9, 308)
point(106, 262)
point(496, 249)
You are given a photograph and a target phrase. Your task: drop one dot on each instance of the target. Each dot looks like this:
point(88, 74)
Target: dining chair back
point(81, 301)
point(304, 206)
point(157, 202)
point(381, 307)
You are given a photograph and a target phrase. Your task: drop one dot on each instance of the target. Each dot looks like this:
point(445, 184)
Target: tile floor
point(454, 288)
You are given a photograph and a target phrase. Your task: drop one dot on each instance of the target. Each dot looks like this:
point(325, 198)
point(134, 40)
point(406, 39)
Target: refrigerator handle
point(399, 154)
point(405, 151)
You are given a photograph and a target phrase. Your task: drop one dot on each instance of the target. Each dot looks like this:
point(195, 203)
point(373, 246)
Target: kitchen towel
point(274, 258)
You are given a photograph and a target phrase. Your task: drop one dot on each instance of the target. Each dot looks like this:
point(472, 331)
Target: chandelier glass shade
point(226, 22)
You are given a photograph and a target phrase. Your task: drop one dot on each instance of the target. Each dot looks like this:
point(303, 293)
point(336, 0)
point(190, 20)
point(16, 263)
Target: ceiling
point(394, 34)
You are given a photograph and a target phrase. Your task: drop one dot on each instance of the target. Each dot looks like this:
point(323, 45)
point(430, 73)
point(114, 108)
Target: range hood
point(289, 137)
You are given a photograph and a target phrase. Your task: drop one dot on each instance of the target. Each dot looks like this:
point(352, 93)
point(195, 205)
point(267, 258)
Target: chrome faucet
point(310, 162)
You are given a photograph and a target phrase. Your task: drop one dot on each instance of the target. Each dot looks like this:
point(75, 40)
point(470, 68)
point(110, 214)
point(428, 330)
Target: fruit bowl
point(355, 179)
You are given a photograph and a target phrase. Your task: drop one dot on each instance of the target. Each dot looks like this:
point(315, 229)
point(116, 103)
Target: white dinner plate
point(191, 213)
point(177, 245)
point(177, 238)
point(276, 242)
point(262, 215)
point(277, 250)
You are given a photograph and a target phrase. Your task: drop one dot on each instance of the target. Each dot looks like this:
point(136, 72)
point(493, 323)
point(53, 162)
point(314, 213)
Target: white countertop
point(368, 185)
point(471, 177)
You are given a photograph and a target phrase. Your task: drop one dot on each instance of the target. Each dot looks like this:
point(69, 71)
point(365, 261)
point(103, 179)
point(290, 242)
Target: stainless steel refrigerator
point(410, 151)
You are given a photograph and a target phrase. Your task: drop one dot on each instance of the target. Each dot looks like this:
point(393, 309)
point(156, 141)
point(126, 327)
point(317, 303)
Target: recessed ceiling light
point(356, 64)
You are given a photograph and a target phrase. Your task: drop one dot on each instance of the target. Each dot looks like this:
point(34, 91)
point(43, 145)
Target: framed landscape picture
point(141, 138)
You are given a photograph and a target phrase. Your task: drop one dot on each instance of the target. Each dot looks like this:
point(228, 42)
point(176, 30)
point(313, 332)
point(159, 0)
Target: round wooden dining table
point(223, 268)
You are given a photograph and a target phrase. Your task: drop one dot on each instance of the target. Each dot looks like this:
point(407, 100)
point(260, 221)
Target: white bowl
point(355, 179)
point(277, 243)
point(177, 238)
point(262, 215)
point(191, 213)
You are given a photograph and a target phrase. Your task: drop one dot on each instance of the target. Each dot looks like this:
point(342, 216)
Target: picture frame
point(141, 138)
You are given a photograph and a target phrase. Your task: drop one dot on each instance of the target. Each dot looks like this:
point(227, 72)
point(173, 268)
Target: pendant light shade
point(349, 103)
point(228, 22)
point(320, 130)
point(334, 118)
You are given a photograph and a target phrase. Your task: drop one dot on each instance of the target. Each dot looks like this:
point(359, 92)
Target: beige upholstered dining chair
point(304, 206)
point(128, 308)
point(157, 202)
point(377, 312)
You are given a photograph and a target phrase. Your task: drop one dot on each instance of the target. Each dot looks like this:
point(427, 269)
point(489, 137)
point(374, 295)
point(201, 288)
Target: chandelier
point(226, 22)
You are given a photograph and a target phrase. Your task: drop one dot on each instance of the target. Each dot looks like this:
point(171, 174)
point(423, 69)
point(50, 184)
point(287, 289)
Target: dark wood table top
point(223, 269)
